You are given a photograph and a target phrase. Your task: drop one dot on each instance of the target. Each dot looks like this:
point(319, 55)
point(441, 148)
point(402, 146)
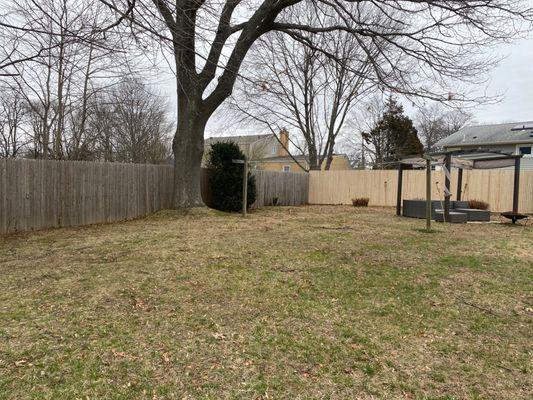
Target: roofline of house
point(299, 157)
point(261, 137)
point(478, 144)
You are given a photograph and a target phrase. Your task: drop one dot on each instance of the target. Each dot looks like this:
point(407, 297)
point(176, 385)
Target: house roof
point(482, 135)
point(243, 139)
point(466, 159)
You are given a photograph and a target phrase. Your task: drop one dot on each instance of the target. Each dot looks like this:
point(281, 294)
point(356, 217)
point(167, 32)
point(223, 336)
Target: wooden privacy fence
point(38, 194)
point(286, 188)
point(492, 186)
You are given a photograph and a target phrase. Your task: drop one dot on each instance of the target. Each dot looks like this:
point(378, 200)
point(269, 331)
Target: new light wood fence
point(492, 186)
point(38, 194)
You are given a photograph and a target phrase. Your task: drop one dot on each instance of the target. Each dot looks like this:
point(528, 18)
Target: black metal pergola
point(462, 159)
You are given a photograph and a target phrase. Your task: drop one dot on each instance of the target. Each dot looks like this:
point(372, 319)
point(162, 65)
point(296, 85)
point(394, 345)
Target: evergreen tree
point(393, 137)
point(225, 177)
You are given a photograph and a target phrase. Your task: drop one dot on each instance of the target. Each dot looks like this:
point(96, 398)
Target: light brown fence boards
point(289, 188)
point(492, 186)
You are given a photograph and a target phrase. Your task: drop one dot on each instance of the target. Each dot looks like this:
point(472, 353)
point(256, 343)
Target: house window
point(286, 168)
point(525, 151)
point(273, 150)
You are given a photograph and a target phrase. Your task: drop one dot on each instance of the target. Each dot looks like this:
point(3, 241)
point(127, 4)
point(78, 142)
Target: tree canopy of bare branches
point(295, 86)
point(435, 122)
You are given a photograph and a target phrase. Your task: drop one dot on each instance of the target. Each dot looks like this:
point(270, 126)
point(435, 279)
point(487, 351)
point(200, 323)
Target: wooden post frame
point(245, 188)
point(399, 193)
point(448, 165)
point(459, 184)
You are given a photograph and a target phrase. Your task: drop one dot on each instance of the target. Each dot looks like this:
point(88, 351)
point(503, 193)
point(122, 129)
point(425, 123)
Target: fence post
point(399, 193)
point(516, 186)
point(244, 187)
point(428, 194)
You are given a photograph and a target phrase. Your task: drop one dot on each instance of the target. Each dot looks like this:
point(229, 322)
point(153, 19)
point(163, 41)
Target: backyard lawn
point(291, 303)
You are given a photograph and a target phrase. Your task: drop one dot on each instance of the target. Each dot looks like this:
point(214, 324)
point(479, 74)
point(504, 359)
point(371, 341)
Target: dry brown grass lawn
point(291, 303)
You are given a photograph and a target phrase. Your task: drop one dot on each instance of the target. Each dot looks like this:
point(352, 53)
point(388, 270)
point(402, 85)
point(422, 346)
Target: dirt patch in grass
point(295, 303)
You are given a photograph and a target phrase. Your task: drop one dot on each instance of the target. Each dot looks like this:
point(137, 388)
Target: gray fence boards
point(37, 194)
point(289, 188)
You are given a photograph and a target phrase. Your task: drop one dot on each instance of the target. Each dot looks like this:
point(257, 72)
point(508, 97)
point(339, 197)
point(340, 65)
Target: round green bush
point(225, 177)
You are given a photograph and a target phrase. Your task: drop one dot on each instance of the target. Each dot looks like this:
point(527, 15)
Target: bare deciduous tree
point(436, 122)
point(141, 127)
point(12, 113)
point(298, 87)
point(64, 53)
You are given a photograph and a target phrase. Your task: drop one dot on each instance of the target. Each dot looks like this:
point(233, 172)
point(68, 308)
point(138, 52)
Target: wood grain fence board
point(288, 187)
point(38, 194)
point(492, 186)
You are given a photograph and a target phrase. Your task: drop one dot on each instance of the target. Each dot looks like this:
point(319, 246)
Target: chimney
point(284, 139)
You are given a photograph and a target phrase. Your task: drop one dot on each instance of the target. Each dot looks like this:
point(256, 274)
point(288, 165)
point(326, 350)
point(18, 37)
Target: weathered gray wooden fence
point(45, 194)
point(281, 188)
point(38, 194)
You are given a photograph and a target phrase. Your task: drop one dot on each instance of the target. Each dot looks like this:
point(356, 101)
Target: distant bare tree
point(435, 122)
point(300, 88)
point(12, 112)
point(141, 128)
point(366, 150)
point(61, 44)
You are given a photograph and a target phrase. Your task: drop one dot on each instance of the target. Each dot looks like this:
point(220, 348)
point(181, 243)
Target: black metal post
point(428, 195)
point(448, 165)
point(459, 184)
point(399, 194)
point(516, 189)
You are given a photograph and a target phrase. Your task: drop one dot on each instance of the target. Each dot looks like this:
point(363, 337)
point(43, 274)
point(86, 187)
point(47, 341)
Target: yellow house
point(301, 163)
point(270, 153)
point(284, 162)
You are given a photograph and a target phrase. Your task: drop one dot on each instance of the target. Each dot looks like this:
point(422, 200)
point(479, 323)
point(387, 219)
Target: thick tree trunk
point(314, 160)
point(188, 149)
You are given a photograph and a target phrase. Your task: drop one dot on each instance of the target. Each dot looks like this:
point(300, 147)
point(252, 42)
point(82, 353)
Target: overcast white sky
point(512, 79)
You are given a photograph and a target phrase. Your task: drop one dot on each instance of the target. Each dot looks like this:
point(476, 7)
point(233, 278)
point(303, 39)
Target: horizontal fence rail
point(39, 194)
point(493, 186)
